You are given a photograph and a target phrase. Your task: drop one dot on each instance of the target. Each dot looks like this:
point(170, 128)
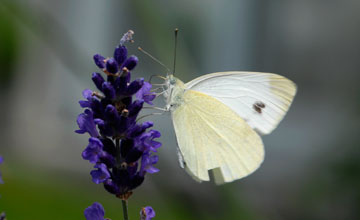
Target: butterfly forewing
point(261, 99)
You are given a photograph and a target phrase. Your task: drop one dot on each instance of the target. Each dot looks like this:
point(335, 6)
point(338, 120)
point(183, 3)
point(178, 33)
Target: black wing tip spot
point(258, 106)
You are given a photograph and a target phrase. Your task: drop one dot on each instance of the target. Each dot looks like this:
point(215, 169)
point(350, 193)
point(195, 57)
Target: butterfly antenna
point(176, 33)
point(153, 58)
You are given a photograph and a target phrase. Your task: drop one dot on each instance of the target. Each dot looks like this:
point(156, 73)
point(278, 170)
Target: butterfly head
point(174, 90)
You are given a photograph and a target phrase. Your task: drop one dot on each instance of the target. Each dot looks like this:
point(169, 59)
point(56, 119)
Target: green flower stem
point(125, 209)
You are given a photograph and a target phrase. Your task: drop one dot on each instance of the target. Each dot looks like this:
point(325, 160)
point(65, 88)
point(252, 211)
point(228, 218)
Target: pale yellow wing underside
point(212, 136)
point(241, 90)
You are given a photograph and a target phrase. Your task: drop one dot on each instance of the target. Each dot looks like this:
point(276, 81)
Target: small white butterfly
point(218, 118)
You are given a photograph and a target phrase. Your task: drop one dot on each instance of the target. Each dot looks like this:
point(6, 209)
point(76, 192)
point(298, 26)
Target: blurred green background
point(311, 169)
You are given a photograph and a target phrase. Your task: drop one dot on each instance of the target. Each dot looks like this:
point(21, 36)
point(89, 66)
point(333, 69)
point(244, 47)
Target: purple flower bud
point(120, 85)
point(122, 124)
point(108, 90)
point(135, 108)
point(106, 129)
point(135, 86)
point(101, 174)
point(132, 169)
point(133, 155)
point(109, 146)
point(136, 181)
point(147, 213)
point(127, 100)
point(111, 187)
point(107, 159)
point(97, 108)
point(99, 61)
point(98, 80)
point(94, 212)
point(130, 63)
point(126, 146)
point(121, 177)
point(111, 113)
point(112, 66)
point(120, 54)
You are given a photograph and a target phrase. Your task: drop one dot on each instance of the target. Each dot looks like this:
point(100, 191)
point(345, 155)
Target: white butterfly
point(218, 118)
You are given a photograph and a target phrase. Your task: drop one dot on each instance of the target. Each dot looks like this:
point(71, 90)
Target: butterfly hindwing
point(211, 136)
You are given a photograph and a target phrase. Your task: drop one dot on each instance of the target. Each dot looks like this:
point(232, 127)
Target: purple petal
point(98, 121)
point(93, 151)
point(86, 123)
point(84, 104)
point(87, 94)
point(147, 143)
point(101, 174)
point(145, 94)
point(147, 162)
point(155, 134)
point(94, 212)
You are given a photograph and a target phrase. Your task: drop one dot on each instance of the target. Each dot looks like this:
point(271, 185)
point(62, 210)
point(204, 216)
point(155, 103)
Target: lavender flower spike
point(147, 213)
point(119, 147)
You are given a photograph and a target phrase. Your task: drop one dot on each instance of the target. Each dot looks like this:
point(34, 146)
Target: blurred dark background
point(311, 169)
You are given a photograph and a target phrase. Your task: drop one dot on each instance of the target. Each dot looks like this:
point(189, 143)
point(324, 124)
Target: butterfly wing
point(261, 99)
point(210, 136)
